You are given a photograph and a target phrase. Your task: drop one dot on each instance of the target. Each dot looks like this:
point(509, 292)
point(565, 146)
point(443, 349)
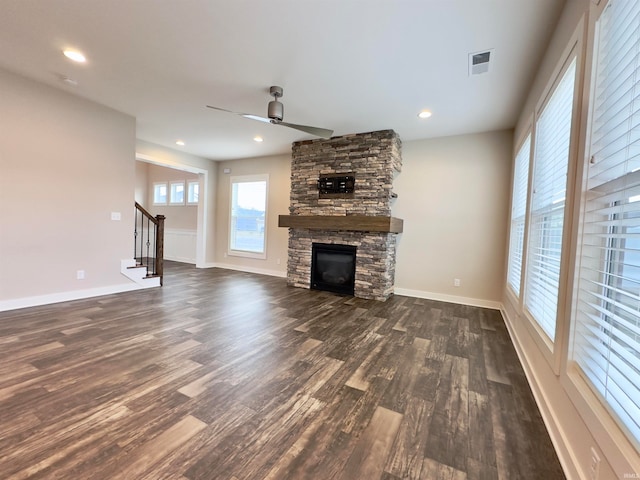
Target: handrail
point(152, 258)
point(146, 213)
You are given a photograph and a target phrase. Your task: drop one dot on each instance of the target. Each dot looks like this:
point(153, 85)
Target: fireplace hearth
point(333, 268)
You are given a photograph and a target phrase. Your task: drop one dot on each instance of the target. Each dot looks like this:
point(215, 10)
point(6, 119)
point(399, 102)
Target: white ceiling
point(349, 65)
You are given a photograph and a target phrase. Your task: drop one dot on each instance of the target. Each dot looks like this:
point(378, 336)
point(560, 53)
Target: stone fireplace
point(360, 217)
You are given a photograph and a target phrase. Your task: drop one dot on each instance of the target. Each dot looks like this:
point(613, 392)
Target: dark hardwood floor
point(229, 375)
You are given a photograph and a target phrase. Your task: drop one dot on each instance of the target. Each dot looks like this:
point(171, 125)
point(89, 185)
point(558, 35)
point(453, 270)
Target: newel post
point(160, 247)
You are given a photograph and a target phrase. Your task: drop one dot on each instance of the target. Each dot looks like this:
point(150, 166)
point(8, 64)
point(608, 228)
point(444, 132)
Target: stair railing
point(148, 239)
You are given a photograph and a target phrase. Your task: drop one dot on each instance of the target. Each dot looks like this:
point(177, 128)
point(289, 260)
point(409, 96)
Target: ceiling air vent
point(479, 62)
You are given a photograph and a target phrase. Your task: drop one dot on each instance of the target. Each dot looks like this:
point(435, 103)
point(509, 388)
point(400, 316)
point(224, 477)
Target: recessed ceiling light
point(424, 114)
point(258, 139)
point(180, 142)
point(75, 55)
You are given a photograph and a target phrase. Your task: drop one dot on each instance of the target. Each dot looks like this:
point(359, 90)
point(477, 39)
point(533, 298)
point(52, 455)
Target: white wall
point(207, 222)
point(181, 221)
point(575, 420)
point(142, 173)
point(453, 195)
point(65, 165)
point(182, 217)
point(279, 170)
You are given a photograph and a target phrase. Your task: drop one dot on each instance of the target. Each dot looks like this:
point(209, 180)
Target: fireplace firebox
point(333, 268)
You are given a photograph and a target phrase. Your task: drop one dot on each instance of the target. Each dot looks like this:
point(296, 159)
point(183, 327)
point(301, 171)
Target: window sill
point(243, 254)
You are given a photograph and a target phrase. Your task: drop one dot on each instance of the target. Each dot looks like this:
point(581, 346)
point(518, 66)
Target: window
point(550, 164)
point(176, 196)
point(160, 193)
point(606, 324)
point(518, 211)
point(248, 216)
point(193, 190)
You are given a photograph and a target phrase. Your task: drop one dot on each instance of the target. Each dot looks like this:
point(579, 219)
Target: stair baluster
point(153, 258)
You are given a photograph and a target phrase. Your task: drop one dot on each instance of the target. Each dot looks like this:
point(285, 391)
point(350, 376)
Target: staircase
point(139, 274)
point(147, 265)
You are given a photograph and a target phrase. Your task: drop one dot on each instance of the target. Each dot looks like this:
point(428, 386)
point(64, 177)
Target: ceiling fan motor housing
point(275, 110)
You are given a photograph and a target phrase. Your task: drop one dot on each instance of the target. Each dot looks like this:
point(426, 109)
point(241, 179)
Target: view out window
point(518, 211)
point(193, 191)
point(546, 224)
point(176, 196)
point(606, 324)
point(248, 215)
point(160, 193)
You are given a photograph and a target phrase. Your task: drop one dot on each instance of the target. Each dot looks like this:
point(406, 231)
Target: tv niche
point(333, 268)
point(338, 185)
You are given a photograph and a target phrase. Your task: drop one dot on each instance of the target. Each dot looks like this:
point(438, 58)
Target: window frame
point(190, 184)
point(613, 440)
point(173, 183)
point(552, 351)
point(166, 195)
point(527, 137)
point(248, 179)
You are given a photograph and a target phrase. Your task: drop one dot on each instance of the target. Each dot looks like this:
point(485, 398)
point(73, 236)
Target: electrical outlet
point(456, 282)
point(594, 466)
point(80, 274)
point(278, 262)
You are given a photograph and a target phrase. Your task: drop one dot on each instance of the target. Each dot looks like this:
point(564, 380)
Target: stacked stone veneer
point(374, 158)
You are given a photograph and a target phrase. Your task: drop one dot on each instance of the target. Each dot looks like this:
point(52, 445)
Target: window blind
point(606, 339)
point(551, 159)
point(518, 211)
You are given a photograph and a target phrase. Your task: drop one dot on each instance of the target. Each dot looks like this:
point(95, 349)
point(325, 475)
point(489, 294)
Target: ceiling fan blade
point(245, 115)
point(223, 110)
point(255, 117)
point(318, 132)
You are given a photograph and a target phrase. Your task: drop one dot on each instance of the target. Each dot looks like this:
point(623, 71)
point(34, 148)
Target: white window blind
point(551, 158)
point(606, 338)
point(518, 211)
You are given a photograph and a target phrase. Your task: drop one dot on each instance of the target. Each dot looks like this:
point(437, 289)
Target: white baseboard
point(68, 296)
point(190, 261)
point(241, 268)
point(474, 302)
point(206, 265)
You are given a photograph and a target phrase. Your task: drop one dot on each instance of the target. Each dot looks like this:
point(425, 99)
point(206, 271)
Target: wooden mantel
point(356, 223)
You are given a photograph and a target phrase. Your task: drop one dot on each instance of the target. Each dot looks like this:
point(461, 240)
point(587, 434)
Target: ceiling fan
point(275, 112)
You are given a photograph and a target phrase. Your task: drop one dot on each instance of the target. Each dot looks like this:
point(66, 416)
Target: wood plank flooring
point(229, 375)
